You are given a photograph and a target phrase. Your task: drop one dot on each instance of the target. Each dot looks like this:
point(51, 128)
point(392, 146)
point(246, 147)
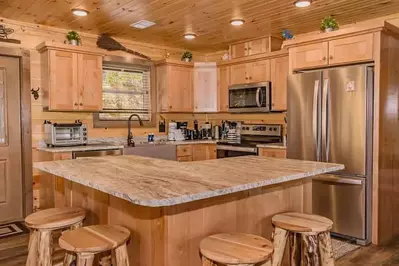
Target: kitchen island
point(170, 206)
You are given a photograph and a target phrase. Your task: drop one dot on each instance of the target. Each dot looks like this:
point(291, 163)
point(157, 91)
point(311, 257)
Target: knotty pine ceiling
point(208, 19)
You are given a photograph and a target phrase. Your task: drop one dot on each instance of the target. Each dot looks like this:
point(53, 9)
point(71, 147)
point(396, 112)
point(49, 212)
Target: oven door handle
point(237, 148)
point(257, 97)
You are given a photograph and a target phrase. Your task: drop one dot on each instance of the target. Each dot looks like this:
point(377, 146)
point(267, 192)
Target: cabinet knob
point(324, 58)
point(331, 57)
point(76, 104)
point(246, 78)
point(249, 48)
point(250, 77)
point(245, 49)
point(81, 104)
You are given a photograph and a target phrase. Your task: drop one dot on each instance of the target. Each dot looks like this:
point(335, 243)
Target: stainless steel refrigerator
point(330, 119)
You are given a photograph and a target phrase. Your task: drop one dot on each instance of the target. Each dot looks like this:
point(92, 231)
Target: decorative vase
point(328, 30)
point(73, 42)
point(187, 60)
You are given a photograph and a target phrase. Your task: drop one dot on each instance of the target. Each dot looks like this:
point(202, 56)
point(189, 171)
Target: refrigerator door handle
point(325, 119)
point(315, 122)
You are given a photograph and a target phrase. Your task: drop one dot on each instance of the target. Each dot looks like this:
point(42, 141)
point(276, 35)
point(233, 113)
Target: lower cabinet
point(195, 152)
point(272, 152)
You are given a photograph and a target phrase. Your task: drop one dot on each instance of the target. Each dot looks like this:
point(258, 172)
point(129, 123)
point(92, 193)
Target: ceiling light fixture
point(142, 24)
point(237, 22)
point(189, 36)
point(302, 3)
point(80, 12)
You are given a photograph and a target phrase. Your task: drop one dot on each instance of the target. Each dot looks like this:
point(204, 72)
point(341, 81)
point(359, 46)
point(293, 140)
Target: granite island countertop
point(154, 182)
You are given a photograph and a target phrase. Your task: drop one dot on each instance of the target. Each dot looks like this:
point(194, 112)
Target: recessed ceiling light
point(80, 12)
point(189, 36)
point(237, 22)
point(302, 3)
point(142, 24)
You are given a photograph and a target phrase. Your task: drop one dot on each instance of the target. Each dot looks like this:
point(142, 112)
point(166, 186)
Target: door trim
point(26, 134)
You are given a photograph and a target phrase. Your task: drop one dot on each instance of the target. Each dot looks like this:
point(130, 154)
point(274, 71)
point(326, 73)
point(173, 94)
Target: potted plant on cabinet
point(73, 38)
point(329, 24)
point(187, 56)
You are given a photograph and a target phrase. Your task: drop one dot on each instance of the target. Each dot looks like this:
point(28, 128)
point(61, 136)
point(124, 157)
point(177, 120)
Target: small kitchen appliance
point(250, 136)
point(206, 131)
point(62, 134)
point(252, 97)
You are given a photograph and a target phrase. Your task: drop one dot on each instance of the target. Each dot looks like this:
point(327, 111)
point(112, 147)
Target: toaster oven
point(64, 134)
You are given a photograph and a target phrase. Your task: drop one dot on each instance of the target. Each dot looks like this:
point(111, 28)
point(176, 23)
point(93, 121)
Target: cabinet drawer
point(351, 50)
point(309, 56)
point(184, 150)
point(270, 152)
point(188, 158)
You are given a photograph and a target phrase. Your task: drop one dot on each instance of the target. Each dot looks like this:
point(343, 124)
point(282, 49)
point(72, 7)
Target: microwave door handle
point(257, 97)
point(315, 118)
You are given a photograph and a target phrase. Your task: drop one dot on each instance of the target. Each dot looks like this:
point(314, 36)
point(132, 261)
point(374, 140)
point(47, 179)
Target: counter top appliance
point(65, 134)
point(251, 97)
point(250, 136)
point(330, 114)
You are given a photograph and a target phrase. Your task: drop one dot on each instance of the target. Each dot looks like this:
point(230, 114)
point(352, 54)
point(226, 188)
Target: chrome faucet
point(130, 141)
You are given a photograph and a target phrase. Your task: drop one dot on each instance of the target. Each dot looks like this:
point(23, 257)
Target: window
point(126, 91)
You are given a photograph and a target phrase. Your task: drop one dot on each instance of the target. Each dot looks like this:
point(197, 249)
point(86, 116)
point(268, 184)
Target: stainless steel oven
point(252, 97)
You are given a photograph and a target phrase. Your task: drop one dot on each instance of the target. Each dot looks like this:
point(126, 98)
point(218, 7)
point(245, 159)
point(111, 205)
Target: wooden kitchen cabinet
point(279, 69)
point(257, 71)
point(205, 87)
point(272, 152)
point(239, 50)
point(255, 46)
point(351, 50)
point(174, 86)
point(195, 152)
point(309, 56)
point(223, 88)
point(72, 77)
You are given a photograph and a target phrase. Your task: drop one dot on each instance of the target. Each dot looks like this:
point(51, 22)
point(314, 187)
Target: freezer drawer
point(342, 200)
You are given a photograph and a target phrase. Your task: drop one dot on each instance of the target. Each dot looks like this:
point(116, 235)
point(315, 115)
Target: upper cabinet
point(255, 46)
point(331, 50)
point(257, 71)
point(223, 88)
point(174, 86)
point(72, 77)
point(279, 68)
point(205, 87)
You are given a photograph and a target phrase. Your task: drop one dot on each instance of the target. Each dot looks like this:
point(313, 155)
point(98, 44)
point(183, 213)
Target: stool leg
point(122, 258)
point(279, 239)
point(105, 259)
point(85, 259)
point(310, 251)
point(33, 248)
point(325, 248)
point(295, 249)
point(45, 248)
point(70, 256)
point(206, 262)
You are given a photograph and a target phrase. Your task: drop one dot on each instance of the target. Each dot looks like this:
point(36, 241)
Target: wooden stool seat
point(233, 249)
point(94, 239)
point(301, 222)
point(55, 218)
point(91, 240)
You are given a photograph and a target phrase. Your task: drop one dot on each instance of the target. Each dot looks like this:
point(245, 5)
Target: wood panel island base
point(170, 206)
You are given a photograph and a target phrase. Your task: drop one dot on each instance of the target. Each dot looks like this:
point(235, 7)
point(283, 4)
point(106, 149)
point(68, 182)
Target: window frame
point(126, 62)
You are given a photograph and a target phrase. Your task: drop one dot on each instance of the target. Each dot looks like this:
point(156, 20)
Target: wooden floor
point(13, 252)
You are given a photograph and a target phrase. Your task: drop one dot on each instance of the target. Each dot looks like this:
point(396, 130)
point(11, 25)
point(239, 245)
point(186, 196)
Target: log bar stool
point(236, 249)
point(310, 242)
point(91, 240)
point(43, 223)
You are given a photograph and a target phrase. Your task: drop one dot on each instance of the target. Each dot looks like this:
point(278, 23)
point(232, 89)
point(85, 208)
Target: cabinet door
point(278, 74)
point(162, 88)
point(180, 89)
point(205, 87)
point(309, 56)
point(270, 152)
point(258, 46)
point(223, 88)
point(202, 152)
point(258, 71)
point(239, 50)
point(351, 50)
point(90, 82)
point(238, 74)
point(63, 92)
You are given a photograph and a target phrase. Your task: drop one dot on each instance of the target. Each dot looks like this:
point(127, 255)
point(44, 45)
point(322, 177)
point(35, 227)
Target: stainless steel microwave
point(251, 97)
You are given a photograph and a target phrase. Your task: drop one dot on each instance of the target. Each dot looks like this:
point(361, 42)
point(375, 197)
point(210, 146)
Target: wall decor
point(73, 38)
point(109, 44)
point(329, 24)
point(4, 32)
point(187, 56)
point(35, 93)
point(287, 35)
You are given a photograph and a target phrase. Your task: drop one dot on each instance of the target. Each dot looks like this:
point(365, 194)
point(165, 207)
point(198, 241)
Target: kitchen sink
point(159, 150)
